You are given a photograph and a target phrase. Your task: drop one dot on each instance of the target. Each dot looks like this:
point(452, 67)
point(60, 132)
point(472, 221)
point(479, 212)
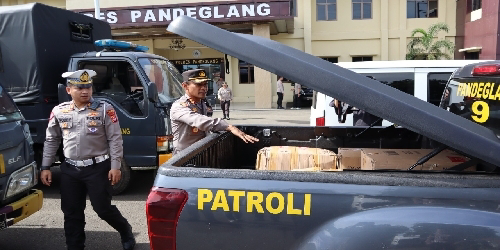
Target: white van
point(425, 79)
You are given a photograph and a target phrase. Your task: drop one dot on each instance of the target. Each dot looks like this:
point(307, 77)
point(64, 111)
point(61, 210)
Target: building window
point(476, 4)
point(326, 10)
point(362, 58)
point(361, 9)
point(331, 59)
point(246, 73)
point(472, 55)
point(421, 8)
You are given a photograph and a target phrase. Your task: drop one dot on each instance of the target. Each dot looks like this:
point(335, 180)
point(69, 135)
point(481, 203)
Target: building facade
point(336, 30)
point(479, 25)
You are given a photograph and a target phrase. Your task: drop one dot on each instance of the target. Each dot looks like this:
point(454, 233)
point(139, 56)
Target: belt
point(87, 162)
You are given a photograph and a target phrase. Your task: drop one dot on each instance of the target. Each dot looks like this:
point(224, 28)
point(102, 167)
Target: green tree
point(425, 47)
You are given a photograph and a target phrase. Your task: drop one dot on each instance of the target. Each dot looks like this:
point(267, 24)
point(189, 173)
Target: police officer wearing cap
point(191, 114)
point(93, 149)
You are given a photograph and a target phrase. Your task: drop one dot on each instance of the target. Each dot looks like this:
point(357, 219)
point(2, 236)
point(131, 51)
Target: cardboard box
point(349, 158)
point(295, 158)
point(402, 159)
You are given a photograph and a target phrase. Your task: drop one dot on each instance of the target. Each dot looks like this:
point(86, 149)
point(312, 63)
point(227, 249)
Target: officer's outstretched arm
point(194, 119)
point(246, 138)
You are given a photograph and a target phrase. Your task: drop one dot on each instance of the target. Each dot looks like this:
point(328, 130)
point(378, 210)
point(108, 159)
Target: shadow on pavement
point(141, 184)
point(53, 239)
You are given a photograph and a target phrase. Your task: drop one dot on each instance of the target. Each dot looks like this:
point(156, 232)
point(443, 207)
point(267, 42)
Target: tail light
point(163, 209)
point(484, 70)
point(320, 121)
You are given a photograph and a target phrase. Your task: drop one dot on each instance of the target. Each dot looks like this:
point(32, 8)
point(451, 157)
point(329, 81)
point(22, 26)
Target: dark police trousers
point(225, 107)
point(76, 183)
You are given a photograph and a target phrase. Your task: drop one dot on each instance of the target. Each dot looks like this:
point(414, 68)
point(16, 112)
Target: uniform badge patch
point(93, 114)
point(112, 114)
point(194, 109)
point(93, 123)
point(183, 104)
point(93, 130)
point(65, 110)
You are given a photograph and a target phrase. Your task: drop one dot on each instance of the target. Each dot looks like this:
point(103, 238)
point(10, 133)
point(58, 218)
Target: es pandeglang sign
point(209, 12)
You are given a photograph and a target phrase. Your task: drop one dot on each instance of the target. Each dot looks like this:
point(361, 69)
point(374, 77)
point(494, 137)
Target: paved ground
point(44, 230)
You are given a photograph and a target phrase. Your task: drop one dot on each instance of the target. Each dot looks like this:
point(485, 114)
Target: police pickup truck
point(141, 86)
point(18, 171)
point(209, 196)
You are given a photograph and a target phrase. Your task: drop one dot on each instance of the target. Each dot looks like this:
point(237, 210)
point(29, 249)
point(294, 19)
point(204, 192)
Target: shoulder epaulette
point(94, 105)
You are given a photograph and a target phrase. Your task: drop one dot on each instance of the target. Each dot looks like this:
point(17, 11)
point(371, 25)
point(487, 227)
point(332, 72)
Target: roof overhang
point(471, 49)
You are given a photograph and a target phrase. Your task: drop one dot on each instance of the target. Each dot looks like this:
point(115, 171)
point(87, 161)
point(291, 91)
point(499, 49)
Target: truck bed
point(235, 159)
point(325, 210)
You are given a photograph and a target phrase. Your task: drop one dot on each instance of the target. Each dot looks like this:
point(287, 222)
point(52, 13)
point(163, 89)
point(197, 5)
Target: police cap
point(80, 78)
point(195, 75)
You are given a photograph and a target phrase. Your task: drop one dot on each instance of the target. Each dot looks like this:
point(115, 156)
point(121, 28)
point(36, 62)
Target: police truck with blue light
point(140, 86)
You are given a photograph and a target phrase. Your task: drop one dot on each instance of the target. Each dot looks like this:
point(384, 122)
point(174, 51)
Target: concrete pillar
point(384, 26)
point(263, 89)
point(402, 29)
point(307, 26)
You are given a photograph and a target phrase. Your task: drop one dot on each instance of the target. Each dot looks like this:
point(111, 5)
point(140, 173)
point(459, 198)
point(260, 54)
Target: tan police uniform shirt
point(225, 94)
point(85, 132)
point(296, 88)
point(190, 122)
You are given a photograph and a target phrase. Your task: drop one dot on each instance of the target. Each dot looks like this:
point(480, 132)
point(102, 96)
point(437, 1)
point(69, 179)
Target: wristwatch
point(44, 168)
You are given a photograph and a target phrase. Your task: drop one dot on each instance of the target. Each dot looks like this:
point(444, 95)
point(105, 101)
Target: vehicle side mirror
point(152, 92)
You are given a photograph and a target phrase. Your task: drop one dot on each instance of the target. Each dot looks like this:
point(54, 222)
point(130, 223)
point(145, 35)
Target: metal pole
point(97, 12)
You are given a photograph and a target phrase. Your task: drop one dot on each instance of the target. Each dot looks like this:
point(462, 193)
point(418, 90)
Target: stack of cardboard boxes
point(315, 159)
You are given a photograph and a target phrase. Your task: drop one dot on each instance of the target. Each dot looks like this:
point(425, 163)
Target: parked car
point(424, 79)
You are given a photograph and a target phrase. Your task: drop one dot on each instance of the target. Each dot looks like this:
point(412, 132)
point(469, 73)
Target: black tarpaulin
point(36, 43)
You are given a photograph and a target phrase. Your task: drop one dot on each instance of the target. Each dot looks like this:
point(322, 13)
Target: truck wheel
point(119, 187)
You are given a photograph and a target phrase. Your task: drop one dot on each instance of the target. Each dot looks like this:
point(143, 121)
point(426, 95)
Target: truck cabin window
point(8, 110)
point(118, 81)
point(165, 76)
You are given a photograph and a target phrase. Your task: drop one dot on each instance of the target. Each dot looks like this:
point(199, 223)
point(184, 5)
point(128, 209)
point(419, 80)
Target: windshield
point(476, 99)
point(167, 78)
point(8, 110)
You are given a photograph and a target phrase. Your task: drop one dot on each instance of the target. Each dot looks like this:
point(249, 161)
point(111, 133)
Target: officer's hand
point(246, 138)
point(114, 176)
point(46, 177)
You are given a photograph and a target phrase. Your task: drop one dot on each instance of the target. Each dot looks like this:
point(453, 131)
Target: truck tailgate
point(245, 209)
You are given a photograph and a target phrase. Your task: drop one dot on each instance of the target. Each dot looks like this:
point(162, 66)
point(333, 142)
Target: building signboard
point(215, 12)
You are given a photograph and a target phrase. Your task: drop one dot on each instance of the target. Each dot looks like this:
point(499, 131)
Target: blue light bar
point(120, 45)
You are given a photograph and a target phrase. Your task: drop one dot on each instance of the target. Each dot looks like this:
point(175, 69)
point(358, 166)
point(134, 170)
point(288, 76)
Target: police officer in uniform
point(93, 148)
point(191, 114)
